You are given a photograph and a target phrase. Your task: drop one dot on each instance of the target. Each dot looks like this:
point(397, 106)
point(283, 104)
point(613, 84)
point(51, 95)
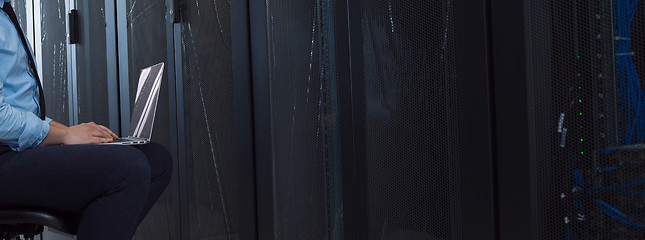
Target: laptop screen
point(145, 103)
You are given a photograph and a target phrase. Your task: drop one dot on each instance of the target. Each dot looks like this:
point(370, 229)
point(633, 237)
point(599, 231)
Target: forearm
point(57, 124)
point(56, 135)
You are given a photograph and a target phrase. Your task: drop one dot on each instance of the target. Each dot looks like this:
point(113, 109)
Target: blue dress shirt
point(20, 126)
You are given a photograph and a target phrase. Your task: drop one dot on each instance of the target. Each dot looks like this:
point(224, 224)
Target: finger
point(96, 140)
point(98, 132)
point(109, 132)
point(102, 130)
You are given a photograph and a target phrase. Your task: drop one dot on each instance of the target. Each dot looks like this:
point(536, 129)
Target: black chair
point(29, 223)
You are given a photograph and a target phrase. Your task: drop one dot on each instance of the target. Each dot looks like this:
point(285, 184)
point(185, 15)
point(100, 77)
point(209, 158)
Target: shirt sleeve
point(20, 130)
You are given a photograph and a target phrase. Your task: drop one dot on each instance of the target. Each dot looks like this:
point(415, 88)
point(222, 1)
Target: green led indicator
point(580, 126)
point(579, 87)
point(581, 139)
point(580, 114)
point(582, 153)
point(579, 74)
point(579, 100)
point(578, 57)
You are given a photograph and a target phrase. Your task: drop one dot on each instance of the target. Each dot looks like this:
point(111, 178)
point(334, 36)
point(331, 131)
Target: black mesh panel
point(304, 120)
point(54, 59)
point(92, 63)
point(146, 22)
point(20, 7)
point(411, 97)
point(210, 123)
point(586, 117)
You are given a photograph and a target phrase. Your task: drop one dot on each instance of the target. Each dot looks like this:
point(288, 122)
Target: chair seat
point(64, 222)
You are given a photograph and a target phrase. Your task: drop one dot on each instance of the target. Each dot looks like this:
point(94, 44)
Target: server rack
point(565, 72)
point(463, 202)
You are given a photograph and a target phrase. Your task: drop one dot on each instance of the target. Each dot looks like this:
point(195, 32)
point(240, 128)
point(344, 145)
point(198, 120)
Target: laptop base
point(128, 141)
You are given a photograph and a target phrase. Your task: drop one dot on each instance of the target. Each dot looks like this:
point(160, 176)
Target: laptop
point(145, 106)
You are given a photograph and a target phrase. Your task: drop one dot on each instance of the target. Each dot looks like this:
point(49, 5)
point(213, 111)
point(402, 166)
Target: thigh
point(64, 178)
point(158, 157)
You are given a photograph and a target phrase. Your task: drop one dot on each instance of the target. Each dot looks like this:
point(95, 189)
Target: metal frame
point(31, 25)
point(513, 170)
point(476, 119)
point(112, 65)
point(352, 117)
point(71, 71)
point(124, 83)
point(181, 133)
point(244, 119)
point(174, 66)
point(34, 31)
point(262, 120)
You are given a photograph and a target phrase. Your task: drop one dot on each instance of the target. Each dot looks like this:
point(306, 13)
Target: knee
point(159, 159)
point(132, 167)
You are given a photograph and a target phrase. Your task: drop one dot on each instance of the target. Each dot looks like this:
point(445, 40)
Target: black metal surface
point(244, 131)
point(302, 80)
point(54, 58)
point(91, 60)
point(413, 159)
point(262, 119)
point(147, 45)
point(350, 92)
point(72, 20)
point(512, 153)
point(473, 68)
point(212, 166)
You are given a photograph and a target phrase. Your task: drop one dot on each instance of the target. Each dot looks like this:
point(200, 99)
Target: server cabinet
point(403, 97)
point(145, 38)
point(296, 120)
point(215, 149)
point(570, 130)
point(53, 58)
point(411, 120)
point(420, 92)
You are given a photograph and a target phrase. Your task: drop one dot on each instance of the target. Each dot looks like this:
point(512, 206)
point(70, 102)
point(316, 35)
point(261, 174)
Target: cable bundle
point(632, 98)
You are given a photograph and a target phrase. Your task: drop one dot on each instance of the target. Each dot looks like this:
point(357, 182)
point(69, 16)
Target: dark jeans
point(113, 187)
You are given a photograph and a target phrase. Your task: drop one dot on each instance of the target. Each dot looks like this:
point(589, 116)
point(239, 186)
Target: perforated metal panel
point(146, 21)
point(212, 169)
point(91, 58)
point(411, 97)
point(304, 120)
point(54, 59)
point(20, 7)
point(586, 118)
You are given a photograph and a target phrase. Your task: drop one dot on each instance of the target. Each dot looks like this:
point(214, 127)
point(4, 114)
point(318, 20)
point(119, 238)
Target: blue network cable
point(632, 98)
